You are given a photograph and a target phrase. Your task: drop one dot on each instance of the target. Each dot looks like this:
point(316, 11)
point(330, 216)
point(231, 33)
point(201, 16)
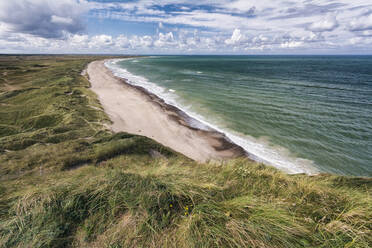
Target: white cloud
point(367, 33)
point(361, 23)
point(100, 41)
point(79, 39)
point(165, 40)
point(225, 26)
point(122, 42)
point(250, 6)
point(291, 44)
point(43, 18)
point(235, 37)
point(264, 23)
point(260, 39)
point(61, 20)
point(327, 24)
point(3, 29)
point(146, 41)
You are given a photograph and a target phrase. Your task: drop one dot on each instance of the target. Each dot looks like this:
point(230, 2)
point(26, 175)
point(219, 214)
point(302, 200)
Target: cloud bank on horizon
point(186, 27)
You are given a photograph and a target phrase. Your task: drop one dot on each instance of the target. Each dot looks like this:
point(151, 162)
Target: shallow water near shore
point(299, 113)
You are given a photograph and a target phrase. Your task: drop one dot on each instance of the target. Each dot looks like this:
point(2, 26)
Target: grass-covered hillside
point(67, 181)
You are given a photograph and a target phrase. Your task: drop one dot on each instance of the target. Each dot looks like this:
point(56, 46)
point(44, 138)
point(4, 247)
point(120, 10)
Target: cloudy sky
point(186, 27)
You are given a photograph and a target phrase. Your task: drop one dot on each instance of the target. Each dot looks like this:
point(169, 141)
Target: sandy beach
point(134, 110)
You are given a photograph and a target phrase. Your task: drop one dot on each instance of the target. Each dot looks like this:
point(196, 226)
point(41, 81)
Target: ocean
point(301, 114)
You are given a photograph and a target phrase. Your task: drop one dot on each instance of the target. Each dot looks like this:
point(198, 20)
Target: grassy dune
point(66, 181)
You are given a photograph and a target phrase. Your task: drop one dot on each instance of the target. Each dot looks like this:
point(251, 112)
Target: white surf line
point(257, 150)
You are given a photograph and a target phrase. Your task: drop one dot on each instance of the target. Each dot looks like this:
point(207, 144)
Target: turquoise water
point(299, 113)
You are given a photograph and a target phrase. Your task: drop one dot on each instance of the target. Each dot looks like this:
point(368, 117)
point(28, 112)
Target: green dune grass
point(67, 181)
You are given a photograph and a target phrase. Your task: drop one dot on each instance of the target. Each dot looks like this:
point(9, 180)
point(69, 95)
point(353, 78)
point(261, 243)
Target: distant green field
point(67, 181)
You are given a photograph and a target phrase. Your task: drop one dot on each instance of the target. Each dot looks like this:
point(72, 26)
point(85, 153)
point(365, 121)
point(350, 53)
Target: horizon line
point(175, 54)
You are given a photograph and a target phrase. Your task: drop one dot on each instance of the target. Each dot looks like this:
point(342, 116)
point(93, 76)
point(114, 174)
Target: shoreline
point(255, 149)
point(134, 109)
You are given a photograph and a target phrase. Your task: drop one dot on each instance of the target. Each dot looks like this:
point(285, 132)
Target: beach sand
point(134, 110)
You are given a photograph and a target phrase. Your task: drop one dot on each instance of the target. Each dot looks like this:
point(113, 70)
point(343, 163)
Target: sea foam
point(259, 150)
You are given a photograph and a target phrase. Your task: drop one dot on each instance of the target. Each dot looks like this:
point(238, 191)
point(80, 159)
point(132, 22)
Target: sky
point(186, 27)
